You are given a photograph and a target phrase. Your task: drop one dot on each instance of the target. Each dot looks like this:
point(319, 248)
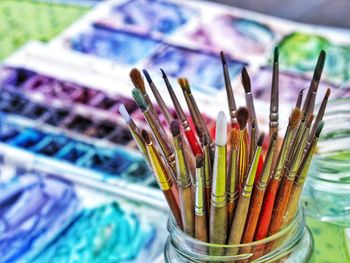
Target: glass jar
point(326, 194)
point(292, 244)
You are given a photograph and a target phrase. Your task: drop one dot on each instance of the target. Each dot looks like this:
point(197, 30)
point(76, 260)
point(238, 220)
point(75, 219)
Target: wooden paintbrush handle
point(280, 205)
point(201, 228)
point(253, 215)
point(174, 207)
point(266, 211)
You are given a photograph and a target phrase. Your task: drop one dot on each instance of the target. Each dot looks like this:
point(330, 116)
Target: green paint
point(26, 20)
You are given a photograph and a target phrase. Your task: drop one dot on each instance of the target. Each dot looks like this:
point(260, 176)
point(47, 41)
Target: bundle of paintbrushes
point(241, 186)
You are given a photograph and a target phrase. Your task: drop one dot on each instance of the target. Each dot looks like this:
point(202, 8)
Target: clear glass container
point(326, 194)
point(292, 244)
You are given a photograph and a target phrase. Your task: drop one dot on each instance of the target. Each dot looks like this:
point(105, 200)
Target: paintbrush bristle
point(137, 80)
point(242, 117)
point(319, 129)
point(140, 101)
point(275, 55)
point(145, 137)
point(253, 124)
point(221, 129)
point(234, 138)
point(175, 128)
point(328, 93)
point(163, 74)
point(319, 66)
point(147, 76)
point(199, 161)
point(261, 139)
point(295, 118)
point(309, 120)
point(246, 80)
point(124, 113)
point(183, 82)
point(223, 60)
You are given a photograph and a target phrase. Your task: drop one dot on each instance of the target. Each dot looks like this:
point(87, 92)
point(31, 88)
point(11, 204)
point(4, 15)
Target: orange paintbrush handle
point(253, 215)
point(280, 205)
point(266, 211)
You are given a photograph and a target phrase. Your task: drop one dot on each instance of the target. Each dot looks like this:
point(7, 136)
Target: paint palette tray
point(59, 220)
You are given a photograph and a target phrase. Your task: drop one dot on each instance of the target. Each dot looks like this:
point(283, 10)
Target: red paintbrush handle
point(266, 211)
point(259, 169)
point(192, 140)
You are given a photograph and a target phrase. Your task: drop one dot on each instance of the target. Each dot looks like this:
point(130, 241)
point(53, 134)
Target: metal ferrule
point(248, 186)
point(232, 176)
point(199, 195)
point(301, 176)
point(251, 109)
point(233, 116)
point(207, 166)
point(159, 169)
point(183, 178)
point(283, 155)
point(185, 125)
point(273, 119)
point(160, 135)
point(265, 174)
point(161, 103)
point(298, 155)
point(218, 194)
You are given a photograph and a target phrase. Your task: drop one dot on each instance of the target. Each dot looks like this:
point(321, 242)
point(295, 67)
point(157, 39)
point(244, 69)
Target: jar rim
point(299, 217)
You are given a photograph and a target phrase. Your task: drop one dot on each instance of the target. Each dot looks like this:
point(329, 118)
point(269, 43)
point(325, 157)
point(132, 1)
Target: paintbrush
point(191, 137)
point(319, 118)
point(135, 132)
point(241, 213)
point(207, 171)
point(300, 179)
point(197, 117)
point(258, 195)
point(273, 124)
point(242, 118)
point(300, 99)
point(252, 141)
point(157, 129)
point(164, 109)
point(229, 92)
point(270, 195)
point(137, 81)
point(285, 188)
point(163, 178)
point(183, 180)
point(308, 106)
point(201, 227)
point(232, 175)
point(249, 99)
point(218, 208)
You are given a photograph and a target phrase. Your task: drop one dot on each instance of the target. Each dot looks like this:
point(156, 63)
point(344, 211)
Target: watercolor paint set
point(46, 218)
point(185, 39)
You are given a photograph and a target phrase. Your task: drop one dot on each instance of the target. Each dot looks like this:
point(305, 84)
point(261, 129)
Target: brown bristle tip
point(234, 138)
point(183, 84)
point(328, 93)
point(175, 127)
point(295, 118)
point(309, 120)
point(199, 161)
point(246, 80)
point(261, 139)
point(145, 137)
point(137, 80)
point(242, 117)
